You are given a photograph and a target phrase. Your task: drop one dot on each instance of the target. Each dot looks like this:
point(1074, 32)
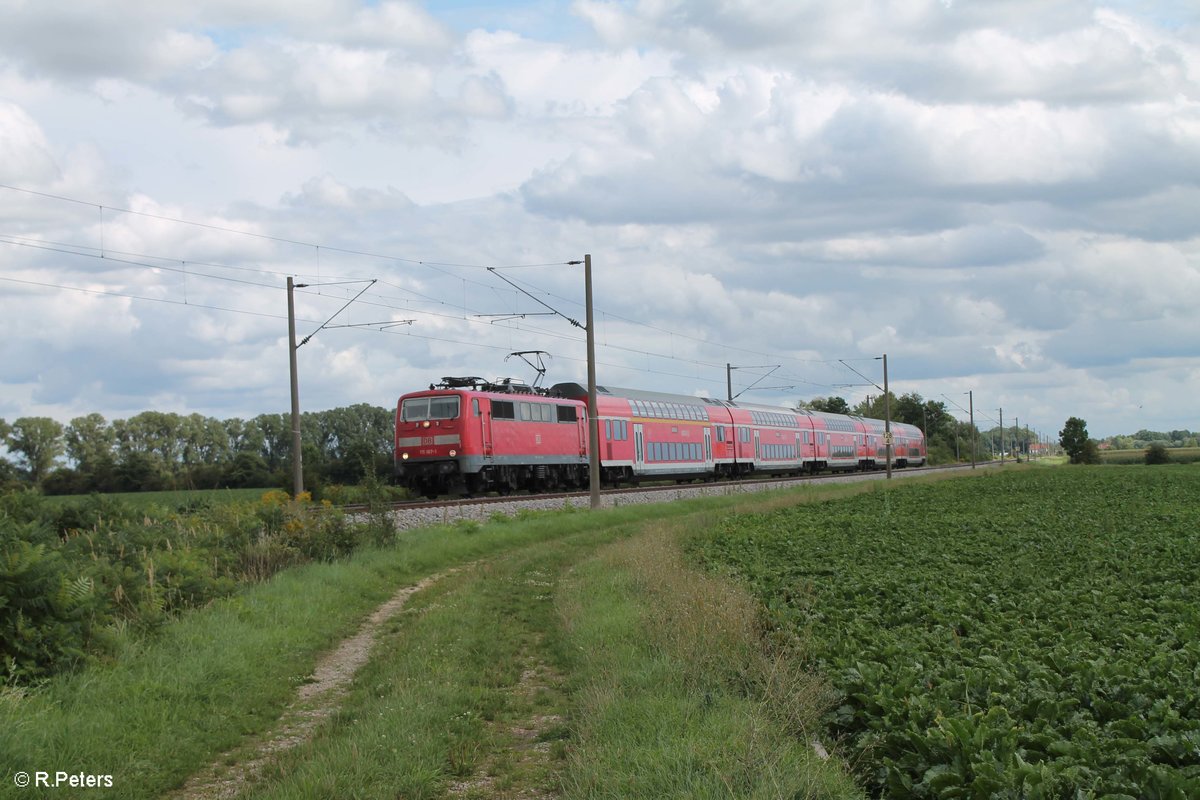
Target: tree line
point(1145, 438)
point(157, 450)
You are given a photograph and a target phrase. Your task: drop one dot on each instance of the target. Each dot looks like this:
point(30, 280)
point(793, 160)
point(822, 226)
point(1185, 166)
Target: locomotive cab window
point(567, 414)
point(503, 409)
point(418, 409)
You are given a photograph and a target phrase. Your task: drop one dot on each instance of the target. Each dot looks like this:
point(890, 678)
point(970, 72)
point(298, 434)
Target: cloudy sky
point(1002, 195)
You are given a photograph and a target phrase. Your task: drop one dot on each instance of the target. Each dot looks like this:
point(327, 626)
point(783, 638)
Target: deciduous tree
point(39, 441)
point(1075, 442)
point(89, 441)
point(830, 405)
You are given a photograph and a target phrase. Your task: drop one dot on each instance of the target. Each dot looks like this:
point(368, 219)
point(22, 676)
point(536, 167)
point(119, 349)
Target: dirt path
point(315, 700)
point(529, 757)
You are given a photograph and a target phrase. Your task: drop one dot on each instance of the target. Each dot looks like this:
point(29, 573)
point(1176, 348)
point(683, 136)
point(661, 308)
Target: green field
point(171, 499)
point(1033, 633)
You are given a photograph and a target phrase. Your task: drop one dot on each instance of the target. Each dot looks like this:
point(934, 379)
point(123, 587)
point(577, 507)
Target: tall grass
point(680, 695)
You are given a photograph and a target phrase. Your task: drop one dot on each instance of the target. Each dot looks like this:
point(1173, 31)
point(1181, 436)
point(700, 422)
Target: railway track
point(416, 513)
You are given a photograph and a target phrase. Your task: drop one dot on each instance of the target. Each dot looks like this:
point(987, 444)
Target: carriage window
point(524, 410)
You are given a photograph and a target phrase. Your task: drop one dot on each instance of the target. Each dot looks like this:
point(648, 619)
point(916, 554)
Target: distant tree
point(1121, 442)
point(38, 440)
point(89, 441)
point(1157, 453)
point(273, 433)
point(909, 408)
point(830, 405)
point(869, 407)
point(7, 471)
point(1074, 438)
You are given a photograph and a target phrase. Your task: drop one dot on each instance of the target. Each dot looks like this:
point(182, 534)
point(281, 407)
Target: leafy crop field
point(1033, 633)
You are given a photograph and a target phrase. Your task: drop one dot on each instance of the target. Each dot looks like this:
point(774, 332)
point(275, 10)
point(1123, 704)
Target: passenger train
point(468, 436)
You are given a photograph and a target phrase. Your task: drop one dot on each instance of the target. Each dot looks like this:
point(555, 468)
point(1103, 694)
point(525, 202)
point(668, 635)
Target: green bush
point(72, 574)
point(47, 610)
point(1157, 453)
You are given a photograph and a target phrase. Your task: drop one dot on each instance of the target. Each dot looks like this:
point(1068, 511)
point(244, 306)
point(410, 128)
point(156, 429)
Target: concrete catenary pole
point(887, 418)
point(1002, 436)
point(297, 465)
point(593, 419)
point(971, 400)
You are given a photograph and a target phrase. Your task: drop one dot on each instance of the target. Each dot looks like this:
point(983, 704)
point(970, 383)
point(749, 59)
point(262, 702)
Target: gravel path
point(444, 515)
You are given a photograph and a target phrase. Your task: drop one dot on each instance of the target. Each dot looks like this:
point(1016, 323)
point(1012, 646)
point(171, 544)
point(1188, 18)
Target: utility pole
point(593, 420)
point(887, 418)
point(1002, 436)
point(297, 466)
point(1017, 435)
point(973, 446)
point(293, 346)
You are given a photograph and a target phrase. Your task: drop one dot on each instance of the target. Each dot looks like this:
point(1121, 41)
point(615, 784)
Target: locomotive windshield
point(417, 409)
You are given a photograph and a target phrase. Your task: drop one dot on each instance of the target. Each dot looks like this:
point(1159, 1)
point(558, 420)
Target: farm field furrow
point(1033, 633)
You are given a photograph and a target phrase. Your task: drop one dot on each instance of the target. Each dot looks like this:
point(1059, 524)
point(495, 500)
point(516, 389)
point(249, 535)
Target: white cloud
point(998, 195)
point(24, 152)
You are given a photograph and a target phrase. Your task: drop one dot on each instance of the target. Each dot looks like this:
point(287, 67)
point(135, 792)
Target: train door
point(485, 424)
point(757, 447)
point(639, 453)
point(708, 458)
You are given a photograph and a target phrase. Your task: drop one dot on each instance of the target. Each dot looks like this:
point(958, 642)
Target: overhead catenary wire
point(187, 267)
point(164, 266)
point(724, 346)
point(267, 237)
point(354, 251)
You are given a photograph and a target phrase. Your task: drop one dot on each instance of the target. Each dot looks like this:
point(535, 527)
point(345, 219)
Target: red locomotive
point(467, 435)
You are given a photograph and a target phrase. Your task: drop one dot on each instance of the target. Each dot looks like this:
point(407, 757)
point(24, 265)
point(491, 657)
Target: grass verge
point(678, 694)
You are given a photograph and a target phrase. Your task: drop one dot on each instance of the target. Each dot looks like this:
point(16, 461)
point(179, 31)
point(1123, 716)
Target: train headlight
point(404, 456)
point(453, 453)
point(425, 424)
